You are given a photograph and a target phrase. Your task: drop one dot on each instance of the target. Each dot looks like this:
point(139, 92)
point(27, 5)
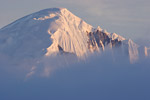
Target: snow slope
point(40, 34)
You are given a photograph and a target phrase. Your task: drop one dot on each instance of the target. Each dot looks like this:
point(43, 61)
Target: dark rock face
point(61, 51)
point(101, 39)
point(116, 43)
point(60, 48)
point(92, 44)
point(101, 36)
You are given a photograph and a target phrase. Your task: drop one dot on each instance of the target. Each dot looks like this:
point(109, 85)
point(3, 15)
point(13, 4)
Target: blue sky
point(125, 17)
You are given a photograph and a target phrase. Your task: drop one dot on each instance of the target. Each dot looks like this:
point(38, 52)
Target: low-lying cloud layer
point(101, 76)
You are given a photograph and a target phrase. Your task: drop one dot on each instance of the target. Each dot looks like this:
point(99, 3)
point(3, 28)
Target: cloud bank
point(101, 76)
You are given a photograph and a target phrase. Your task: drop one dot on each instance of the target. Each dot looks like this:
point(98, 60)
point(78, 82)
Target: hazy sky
point(130, 18)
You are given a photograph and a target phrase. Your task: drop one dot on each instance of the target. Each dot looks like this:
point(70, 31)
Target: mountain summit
point(40, 33)
point(51, 31)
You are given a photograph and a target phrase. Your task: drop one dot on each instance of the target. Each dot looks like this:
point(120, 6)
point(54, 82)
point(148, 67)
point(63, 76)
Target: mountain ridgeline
point(54, 31)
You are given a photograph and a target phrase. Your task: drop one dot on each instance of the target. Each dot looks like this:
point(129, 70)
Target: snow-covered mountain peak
point(45, 30)
point(69, 31)
point(105, 31)
point(55, 30)
point(51, 10)
point(115, 36)
point(99, 28)
point(51, 13)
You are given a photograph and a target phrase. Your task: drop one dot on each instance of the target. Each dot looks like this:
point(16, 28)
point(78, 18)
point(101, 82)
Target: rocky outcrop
point(100, 39)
